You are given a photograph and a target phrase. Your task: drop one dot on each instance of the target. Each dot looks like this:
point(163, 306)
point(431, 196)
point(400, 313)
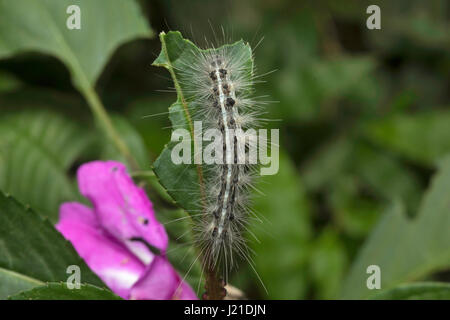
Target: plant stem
point(107, 126)
point(214, 287)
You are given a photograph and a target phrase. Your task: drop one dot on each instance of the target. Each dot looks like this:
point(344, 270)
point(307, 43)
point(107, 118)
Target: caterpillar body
point(225, 218)
point(217, 88)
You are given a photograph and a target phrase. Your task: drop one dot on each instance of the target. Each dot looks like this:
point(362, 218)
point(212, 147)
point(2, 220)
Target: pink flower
point(112, 236)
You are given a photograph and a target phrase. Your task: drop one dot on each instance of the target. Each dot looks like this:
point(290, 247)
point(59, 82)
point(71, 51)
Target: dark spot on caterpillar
point(235, 179)
point(214, 233)
point(233, 198)
point(225, 86)
point(232, 122)
point(233, 194)
point(235, 149)
point(223, 73)
point(215, 104)
point(216, 90)
point(213, 76)
point(230, 102)
point(217, 62)
point(231, 217)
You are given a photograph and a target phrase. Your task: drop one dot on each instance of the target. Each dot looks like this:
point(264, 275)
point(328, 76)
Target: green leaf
point(353, 213)
point(177, 223)
point(327, 163)
point(344, 157)
point(28, 25)
point(340, 76)
point(328, 262)
point(417, 291)
point(406, 249)
point(36, 151)
point(185, 183)
point(422, 137)
point(385, 176)
point(33, 251)
point(309, 89)
point(283, 235)
point(59, 291)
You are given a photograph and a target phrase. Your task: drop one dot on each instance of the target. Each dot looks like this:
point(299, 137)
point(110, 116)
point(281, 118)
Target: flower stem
point(214, 286)
point(105, 123)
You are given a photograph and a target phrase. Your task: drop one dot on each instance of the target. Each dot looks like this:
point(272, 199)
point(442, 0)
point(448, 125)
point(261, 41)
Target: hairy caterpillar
point(214, 88)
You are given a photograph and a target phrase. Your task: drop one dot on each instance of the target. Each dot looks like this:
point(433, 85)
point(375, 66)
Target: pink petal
point(108, 258)
point(122, 208)
point(161, 282)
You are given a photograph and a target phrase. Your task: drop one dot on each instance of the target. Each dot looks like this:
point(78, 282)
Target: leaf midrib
point(21, 276)
point(180, 95)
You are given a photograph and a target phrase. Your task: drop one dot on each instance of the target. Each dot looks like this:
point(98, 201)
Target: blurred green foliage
point(363, 115)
